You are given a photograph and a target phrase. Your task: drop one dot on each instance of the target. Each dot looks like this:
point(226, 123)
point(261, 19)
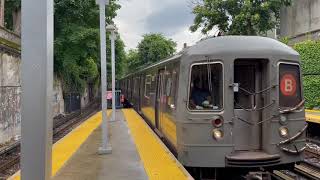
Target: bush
point(310, 57)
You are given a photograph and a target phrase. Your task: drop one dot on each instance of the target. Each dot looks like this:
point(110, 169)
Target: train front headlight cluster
point(217, 134)
point(283, 131)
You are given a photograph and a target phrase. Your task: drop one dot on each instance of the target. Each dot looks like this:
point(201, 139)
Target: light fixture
point(283, 120)
point(283, 131)
point(217, 122)
point(217, 134)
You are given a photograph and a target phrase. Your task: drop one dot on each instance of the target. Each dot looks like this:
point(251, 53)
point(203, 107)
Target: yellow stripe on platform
point(313, 118)
point(314, 111)
point(63, 149)
point(158, 161)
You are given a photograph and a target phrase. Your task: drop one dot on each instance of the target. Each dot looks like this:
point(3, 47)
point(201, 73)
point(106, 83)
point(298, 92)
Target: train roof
point(241, 45)
point(231, 46)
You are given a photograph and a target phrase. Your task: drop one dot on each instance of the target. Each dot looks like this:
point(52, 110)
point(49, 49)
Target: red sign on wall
point(288, 85)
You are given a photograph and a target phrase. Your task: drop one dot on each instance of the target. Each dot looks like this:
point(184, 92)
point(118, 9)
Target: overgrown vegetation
point(310, 55)
point(77, 43)
point(237, 17)
point(152, 48)
point(11, 6)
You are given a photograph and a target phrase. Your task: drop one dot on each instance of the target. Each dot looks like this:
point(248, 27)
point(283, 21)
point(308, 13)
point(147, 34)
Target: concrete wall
point(58, 101)
point(10, 87)
point(301, 21)
point(85, 97)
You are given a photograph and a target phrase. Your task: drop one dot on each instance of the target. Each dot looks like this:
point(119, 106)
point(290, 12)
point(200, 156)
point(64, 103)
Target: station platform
point(137, 152)
point(313, 116)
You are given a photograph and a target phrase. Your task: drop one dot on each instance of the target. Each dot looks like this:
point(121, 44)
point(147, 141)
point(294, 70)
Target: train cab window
point(289, 85)
point(206, 87)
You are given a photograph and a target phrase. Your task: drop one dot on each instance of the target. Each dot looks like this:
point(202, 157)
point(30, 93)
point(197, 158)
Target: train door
point(247, 81)
point(141, 91)
point(160, 98)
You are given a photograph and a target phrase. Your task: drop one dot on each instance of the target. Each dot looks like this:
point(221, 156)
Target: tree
point(132, 61)
point(155, 47)
point(237, 17)
point(152, 48)
point(77, 43)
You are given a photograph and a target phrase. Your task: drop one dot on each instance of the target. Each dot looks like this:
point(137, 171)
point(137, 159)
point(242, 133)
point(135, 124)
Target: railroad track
point(10, 156)
point(308, 169)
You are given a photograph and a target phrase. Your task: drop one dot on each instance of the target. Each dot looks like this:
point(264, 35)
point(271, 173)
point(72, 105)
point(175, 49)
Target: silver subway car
point(231, 101)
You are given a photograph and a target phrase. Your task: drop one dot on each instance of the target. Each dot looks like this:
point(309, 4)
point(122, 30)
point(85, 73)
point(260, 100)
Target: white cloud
point(170, 17)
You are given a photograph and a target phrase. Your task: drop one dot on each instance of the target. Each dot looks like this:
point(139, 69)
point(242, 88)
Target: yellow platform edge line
point(158, 161)
point(309, 110)
point(313, 118)
point(64, 149)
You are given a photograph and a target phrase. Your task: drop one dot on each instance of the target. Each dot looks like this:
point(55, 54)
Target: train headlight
point(283, 120)
point(283, 131)
point(217, 134)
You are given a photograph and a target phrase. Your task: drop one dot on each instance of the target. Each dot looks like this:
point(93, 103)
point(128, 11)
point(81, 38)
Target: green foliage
point(152, 48)
point(310, 57)
point(237, 17)
point(77, 43)
point(284, 40)
point(132, 61)
point(155, 47)
point(10, 7)
point(311, 86)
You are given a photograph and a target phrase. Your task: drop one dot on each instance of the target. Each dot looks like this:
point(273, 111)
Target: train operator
point(199, 97)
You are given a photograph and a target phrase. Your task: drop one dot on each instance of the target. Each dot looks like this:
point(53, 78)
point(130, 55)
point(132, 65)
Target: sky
point(172, 18)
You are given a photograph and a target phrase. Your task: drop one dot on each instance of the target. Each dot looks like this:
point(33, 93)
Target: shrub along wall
point(310, 57)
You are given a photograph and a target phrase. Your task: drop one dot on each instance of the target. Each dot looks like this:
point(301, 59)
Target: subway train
point(229, 101)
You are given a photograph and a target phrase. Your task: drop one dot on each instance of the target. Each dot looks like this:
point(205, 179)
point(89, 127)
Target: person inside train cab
point(200, 97)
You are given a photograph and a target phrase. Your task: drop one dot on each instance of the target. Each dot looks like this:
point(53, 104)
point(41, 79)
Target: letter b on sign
point(288, 85)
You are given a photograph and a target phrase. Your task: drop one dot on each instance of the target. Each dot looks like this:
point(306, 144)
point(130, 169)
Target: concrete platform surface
point(123, 163)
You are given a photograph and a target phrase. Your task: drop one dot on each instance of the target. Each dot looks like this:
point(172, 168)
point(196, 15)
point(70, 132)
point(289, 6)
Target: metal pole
point(37, 85)
point(113, 76)
point(105, 146)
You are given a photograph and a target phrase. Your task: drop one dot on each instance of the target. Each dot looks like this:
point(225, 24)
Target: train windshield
point(289, 85)
point(206, 87)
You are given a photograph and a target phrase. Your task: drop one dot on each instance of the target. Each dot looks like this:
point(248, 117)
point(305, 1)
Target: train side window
point(147, 86)
point(289, 85)
point(206, 87)
point(135, 86)
point(171, 85)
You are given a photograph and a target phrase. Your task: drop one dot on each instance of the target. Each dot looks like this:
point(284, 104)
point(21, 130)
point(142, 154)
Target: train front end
point(243, 104)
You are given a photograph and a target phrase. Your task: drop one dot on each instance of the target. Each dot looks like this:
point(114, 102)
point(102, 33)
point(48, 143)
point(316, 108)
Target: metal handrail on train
point(255, 109)
point(291, 139)
point(298, 106)
point(253, 93)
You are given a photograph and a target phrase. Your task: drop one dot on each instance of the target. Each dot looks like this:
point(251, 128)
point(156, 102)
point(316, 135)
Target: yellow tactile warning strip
point(313, 118)
point(158, 161)
point(67, 146)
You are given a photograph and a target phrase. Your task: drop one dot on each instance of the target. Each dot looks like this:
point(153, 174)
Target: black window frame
point(222, 91)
